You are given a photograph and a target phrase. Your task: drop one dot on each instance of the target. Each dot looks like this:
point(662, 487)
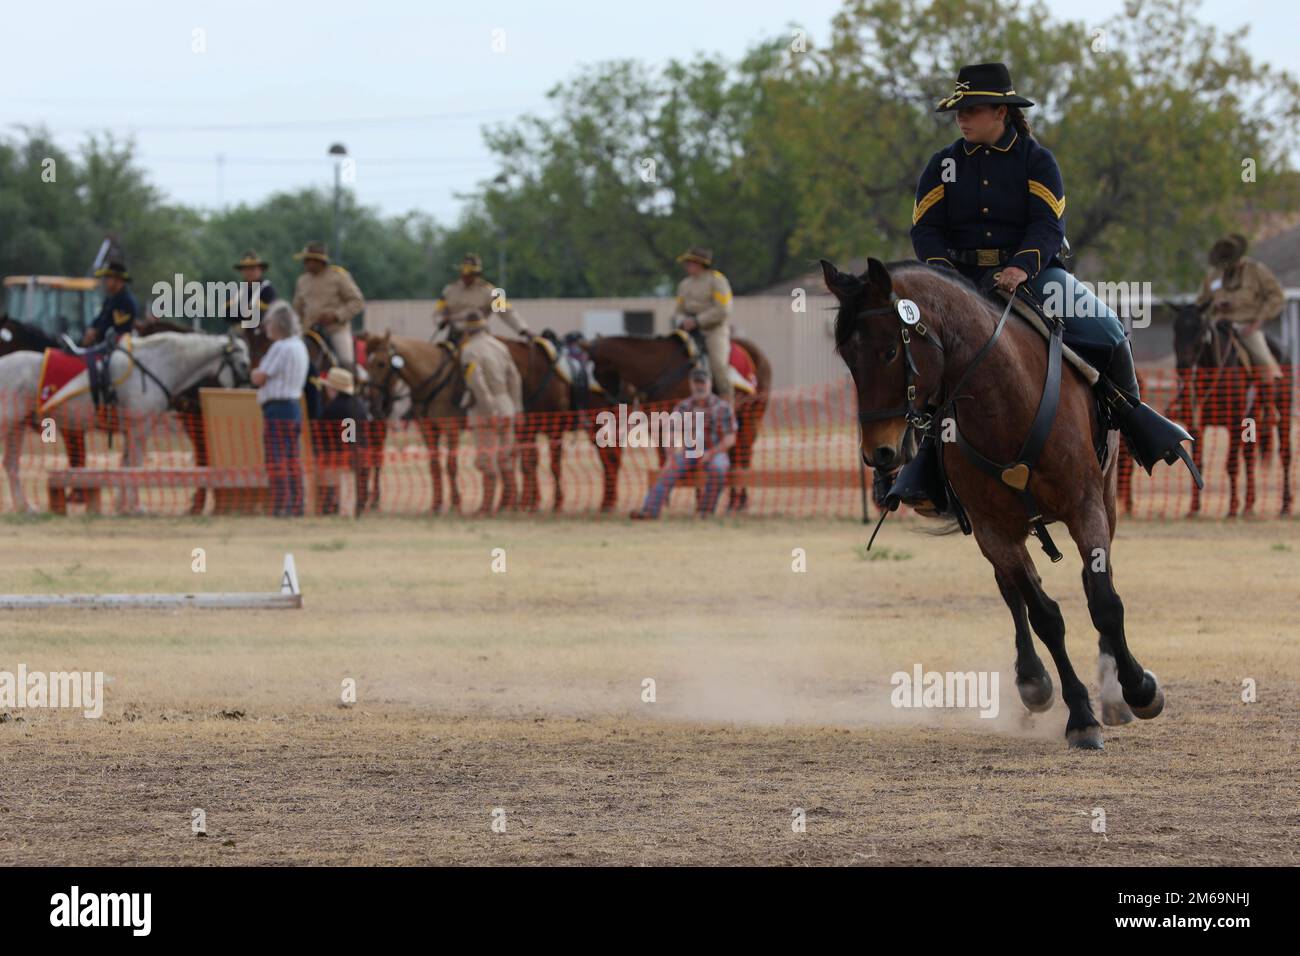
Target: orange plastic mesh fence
point(803, 460)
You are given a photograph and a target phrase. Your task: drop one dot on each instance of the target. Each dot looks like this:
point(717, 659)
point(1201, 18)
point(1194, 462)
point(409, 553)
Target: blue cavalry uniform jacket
point(119, 312)
point(983, 206)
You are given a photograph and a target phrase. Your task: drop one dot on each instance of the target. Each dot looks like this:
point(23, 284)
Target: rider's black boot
point(1150, 436)
point(920, 483)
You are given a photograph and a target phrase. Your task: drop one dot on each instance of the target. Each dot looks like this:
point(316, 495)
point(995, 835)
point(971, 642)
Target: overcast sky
point(405, 86)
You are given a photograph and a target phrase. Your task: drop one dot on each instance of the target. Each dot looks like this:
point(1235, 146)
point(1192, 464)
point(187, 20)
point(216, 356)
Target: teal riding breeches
point(1088, 321)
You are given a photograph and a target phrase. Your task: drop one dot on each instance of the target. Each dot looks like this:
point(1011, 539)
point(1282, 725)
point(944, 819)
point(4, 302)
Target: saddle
point(60, 368)
point(740, 364)
point(571, 364)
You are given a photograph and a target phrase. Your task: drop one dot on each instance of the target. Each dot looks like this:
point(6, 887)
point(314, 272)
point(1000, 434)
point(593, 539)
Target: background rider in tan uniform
point(327, 297)
point(472, 293)
point(496, 397)
point(704, 302)
point(1244, 291)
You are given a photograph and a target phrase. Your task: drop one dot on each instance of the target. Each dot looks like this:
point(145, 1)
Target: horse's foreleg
point(526, 437)
point(609, 462)
point(1233, 466)
point(453, 463)
point(1126, 688)
point(431, 435)
point(1284, 453)
point(556, 441)
point(1198, 454)
point(13, 438)
point(1032, 680)
point(1248, 450)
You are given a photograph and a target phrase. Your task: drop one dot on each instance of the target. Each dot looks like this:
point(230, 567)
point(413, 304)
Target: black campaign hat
point(982, 83)
point(114, 270)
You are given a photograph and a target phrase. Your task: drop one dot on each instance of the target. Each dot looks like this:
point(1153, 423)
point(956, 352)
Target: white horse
point(157, 369)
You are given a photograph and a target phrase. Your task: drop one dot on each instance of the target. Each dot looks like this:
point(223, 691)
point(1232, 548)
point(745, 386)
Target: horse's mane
point(926, 294)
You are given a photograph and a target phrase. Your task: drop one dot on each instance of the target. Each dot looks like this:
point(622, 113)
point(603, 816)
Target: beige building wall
point(798, 344)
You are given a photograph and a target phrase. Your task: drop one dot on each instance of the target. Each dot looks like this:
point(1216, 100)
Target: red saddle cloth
point(57, 370)
point(743, 364)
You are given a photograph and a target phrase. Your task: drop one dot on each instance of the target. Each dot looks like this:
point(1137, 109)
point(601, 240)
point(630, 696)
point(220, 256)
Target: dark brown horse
point(550, 410)
point(985, 374)
point(1213, 389)
point(637, 369)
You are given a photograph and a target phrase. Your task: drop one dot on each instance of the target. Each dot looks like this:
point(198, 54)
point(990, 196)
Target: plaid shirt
point(719, 420)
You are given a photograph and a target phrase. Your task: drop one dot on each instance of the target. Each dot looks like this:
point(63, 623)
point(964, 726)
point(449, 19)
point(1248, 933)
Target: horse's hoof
point(1036, 693)
point(1085, 738)
point(1115, 714)
point(1156, 702)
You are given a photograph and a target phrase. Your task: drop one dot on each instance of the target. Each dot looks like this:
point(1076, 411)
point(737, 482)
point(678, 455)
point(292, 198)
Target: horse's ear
point(841, 284)
point(388, 335)
point(877, 276)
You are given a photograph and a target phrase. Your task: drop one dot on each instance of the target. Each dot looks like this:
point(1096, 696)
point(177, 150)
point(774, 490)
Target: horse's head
point(868, 338)
point(235, 370)
point(1191, 332)
point(383, 369)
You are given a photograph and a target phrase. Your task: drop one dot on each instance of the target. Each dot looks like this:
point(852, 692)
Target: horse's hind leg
point(1011, 562)
point(1126, 689)
point(1032, 680)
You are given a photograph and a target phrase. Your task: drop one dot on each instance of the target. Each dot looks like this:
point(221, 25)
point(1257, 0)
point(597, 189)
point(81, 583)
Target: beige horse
point(411, 378)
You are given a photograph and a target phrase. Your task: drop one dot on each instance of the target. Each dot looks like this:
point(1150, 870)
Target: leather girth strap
point(1017, 474)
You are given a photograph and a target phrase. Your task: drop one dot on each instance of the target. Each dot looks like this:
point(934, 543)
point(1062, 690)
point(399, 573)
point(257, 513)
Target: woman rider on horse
point(992, 206)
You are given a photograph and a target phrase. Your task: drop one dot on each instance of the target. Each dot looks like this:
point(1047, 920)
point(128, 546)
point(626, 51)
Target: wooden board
point(232, 424)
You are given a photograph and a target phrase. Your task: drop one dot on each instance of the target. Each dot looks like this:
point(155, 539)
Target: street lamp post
point(338, 151)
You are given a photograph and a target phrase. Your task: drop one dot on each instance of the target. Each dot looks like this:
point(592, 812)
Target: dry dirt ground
point(520, 694)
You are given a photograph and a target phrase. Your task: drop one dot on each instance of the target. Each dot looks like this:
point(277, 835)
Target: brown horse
point(550, 411)
point(411, 378)
point(636, 369)
point(964, 364)
point(1213, 390)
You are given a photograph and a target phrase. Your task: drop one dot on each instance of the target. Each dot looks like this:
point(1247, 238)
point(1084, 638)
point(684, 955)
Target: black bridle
point(441, 377)
point(920, 419)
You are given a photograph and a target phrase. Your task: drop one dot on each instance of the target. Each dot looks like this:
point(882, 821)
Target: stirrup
point(1152, 438)
point(919, 481)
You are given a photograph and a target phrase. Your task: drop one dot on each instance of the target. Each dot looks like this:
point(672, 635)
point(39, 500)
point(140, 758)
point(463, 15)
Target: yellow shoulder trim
point(1042, 192)
point(722, 299)
point(923, 204)
point(469, 370)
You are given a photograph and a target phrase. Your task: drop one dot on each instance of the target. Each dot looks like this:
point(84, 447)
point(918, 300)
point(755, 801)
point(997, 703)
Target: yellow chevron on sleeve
point(121, 318)
point(440, 304)
point(722, 299)
point(469, 370)
point(925, 202)
point(1042, 192)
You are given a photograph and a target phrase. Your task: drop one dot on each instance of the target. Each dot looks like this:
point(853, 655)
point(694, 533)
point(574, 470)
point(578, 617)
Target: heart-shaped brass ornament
point(1017, 476)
